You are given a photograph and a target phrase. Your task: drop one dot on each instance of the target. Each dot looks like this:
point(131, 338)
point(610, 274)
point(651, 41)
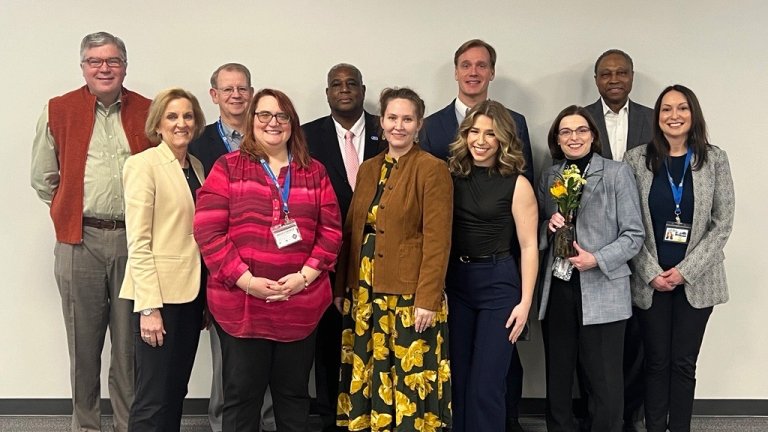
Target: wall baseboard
point(701, 407)
point(528, 407)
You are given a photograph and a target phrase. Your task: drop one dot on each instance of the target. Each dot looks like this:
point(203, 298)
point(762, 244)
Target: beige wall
point(546, 51)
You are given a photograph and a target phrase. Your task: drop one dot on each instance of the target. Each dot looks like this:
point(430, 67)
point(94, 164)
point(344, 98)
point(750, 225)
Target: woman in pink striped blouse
point(268, 226)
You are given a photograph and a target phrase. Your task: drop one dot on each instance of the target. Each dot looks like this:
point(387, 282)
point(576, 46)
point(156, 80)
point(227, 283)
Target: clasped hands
point(271, 290)
point(583, 260)
point(667, 280)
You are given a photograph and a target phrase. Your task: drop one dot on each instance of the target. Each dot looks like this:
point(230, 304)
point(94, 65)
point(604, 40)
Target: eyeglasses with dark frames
point(96, 62)
point(266, 117)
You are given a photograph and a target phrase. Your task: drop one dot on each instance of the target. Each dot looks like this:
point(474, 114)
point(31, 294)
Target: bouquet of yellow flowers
point(566, 191)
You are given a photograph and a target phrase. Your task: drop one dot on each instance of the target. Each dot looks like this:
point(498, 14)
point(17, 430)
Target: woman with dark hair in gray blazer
point(687, 200)
point(583, 316)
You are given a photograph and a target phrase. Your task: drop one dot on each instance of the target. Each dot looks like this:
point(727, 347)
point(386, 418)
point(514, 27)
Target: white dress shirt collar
point(358, 140)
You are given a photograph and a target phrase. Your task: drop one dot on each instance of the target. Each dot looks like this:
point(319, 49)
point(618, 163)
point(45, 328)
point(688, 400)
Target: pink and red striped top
point(236, 207)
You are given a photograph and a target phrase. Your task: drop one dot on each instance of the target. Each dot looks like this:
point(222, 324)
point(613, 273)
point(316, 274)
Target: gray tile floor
point(200, 424)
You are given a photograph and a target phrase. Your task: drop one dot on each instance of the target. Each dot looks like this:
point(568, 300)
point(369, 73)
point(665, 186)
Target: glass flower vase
point(564, 238)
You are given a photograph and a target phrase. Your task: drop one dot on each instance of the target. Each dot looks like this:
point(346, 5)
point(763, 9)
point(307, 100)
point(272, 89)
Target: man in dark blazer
point(231, 90)
point(475, 68)
point(340, 141)
point(475, 63)
point(625, 125)
point(630, 123)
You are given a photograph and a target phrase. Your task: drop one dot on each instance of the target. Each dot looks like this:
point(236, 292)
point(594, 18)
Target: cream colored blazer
point(163, 258)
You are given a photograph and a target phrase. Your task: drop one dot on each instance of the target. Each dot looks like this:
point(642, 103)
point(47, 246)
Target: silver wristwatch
point(148, 312)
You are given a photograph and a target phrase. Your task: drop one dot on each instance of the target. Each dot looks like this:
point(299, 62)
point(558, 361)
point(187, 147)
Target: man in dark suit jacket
point(475, 63)
point(625, 125)
point(231, 90)
point(475, 68)
point(631, 124)
point(339, 141)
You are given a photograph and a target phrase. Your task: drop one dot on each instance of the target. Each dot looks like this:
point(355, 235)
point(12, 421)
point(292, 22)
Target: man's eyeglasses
point(266, 117)
point(227, 91)
point(96, 62)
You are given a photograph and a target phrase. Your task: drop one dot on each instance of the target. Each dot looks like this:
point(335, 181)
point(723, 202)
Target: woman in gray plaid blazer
point(583, 318)
point(687, 201)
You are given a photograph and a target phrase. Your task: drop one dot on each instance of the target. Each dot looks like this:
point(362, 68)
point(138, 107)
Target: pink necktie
point(351, 163)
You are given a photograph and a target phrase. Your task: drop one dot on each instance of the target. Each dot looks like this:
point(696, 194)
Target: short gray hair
point(230, 67)
point(98, 39)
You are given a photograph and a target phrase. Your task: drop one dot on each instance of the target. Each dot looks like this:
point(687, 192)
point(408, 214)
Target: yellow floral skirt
point(392, 378)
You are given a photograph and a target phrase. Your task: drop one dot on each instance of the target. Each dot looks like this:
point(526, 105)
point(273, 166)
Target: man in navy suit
point(341, 141)
point(626, 125)
point(231, 90)
point(475, 68)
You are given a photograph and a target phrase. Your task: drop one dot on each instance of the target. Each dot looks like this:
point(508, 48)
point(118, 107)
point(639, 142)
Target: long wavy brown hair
point(509, 157)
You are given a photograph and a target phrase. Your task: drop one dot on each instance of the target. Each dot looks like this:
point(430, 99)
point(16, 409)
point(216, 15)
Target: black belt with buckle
point(483, 259)
point(105, 224)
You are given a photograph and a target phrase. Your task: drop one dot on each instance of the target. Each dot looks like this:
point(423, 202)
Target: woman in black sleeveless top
point(494, 260)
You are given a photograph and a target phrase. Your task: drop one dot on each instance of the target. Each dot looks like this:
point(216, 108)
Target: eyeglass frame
point(581, 131)
point(90, 62)
point(229, 91)
point(277, 116)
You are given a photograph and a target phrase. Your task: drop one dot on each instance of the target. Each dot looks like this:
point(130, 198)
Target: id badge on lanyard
point(224, 137)
point(286, 233)
point(676, 231)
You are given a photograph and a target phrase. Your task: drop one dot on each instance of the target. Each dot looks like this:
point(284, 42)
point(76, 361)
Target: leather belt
point(105, 224)
point(483, 259)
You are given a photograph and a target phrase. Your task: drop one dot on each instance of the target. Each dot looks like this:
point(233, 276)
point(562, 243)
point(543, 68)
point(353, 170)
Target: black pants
point(596, 348)
point(249, 365)
point(162, 372)
point(327, 363)
point(634, 376)
point(634, 380)
point(672, 334)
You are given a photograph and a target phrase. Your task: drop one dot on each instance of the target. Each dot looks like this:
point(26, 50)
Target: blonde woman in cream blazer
point(163, 274)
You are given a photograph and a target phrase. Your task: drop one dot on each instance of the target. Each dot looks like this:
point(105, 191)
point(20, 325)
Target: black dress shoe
point(636, 426)
point(513, 425)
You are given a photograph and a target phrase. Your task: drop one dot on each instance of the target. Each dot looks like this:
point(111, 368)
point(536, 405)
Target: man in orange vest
point(82, 140)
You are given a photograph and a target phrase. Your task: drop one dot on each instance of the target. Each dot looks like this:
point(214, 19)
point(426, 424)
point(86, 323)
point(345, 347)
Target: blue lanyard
point(677, 190)
point(224, 137)
point(286, 189)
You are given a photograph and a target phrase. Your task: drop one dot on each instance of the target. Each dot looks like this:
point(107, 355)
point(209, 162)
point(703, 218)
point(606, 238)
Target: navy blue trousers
point(480, 298)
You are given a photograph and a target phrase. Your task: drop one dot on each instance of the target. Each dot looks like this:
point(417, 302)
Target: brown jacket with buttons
point(413, 228)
